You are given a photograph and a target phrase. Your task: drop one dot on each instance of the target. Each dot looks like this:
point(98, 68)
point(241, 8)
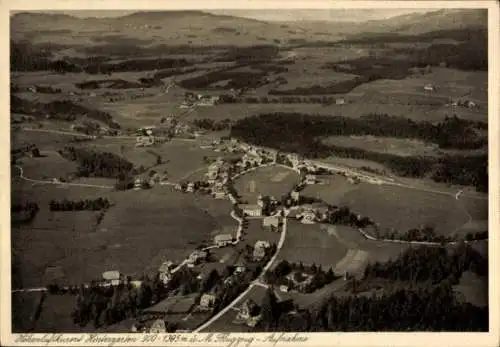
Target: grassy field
point(256, 232)
point(309, 244)
point(43, 140)
point(473, 289)
point(389, 145)
point(139, 156)
point(335, 187)
point(402, 209)
point(142, 230)
point(51, 165)
point(271, 180)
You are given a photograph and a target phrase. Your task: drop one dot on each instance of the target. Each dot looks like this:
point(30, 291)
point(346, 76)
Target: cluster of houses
point(463, 103)
point(192, 99)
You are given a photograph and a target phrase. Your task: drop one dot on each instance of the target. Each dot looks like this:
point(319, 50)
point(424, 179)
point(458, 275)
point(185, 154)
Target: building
point(429, 87)
point(259, 250)
point(138, 183)
point(251, 210)
point(158, 327)
point(219, 194)
point(197, 256)
point(112, 277)
point(207, 300)
point(271, 221)
point(308, 217)
point(164, 271)
point(144, 141)
point(190, 187)
point(340, 101)
point(294, 195)
point(284, 288)
point(223, 240)
point(248, 309)
point(310, 179)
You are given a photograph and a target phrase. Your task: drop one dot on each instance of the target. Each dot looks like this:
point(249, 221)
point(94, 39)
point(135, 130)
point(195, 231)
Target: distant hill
point(198, 28)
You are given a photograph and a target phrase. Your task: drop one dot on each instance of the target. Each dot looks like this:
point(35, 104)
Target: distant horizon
point(274, 15)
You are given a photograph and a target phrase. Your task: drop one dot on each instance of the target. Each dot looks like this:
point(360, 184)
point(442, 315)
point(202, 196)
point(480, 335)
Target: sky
point(348, 15)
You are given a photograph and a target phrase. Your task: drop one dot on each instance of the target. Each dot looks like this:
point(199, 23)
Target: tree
point(269, 310)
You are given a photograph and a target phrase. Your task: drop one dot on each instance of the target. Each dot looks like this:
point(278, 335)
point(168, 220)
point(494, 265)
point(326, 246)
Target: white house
point(207, 300)
point(259, 250)
point(113, 277)
point(197, 256)
point(271, 221)
point(252, 210)
point(295, 195)
point(158, 327)
point(340, 101)
point(223, 240)
point(308, 217)
point(429, 87)
point(190, 187)
point(310, 179)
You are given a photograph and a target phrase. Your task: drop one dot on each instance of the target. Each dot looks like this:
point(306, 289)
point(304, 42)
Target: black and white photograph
point(249, 170)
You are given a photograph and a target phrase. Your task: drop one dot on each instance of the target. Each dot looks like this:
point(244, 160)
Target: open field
point(50, 166)
point(43, 140)
point(271, 180)
point(309, 244)
point(335, 187)
point(389, 145)
point(402, 209)
point(176, 224)
point(139, 156)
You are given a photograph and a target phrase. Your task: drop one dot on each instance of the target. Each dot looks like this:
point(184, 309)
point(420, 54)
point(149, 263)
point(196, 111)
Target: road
point(253, 284)
point(21, 176)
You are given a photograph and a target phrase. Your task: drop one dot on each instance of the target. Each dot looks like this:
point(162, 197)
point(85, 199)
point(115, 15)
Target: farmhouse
point(340, 101)
point(248, 309)
point(223, 240)
point(251, 210)
point(271, 221)
point(429, 87)
point(190, 187)
point(207, 300)
point(165, 271)
point(308, 217)
point(219, 193)
point(295, 195)
point(138, 183)
point(310, 179)
point(259, 250)
point(112, 277)
point(144, 141)
point(197, 256)
point(158, 327)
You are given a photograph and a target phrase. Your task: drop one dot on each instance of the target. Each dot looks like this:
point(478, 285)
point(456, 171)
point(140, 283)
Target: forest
point(93, 163)
point(23, 213)
point(60, 109)
point(302, 132)
point(79, 205)
point(429, 306)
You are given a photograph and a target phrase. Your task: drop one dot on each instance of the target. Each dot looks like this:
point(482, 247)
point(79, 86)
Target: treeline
point(60, 109)
point(319, 277)
point(119, 84)
point(337, 88)
point(23, 213)
point(453, 132)
point(79, 205)
point(434, 264)
point(212, 125)
point(93, 163)
point(249, 54)
point(298, 133)
point(426, 303)
point(235, 80)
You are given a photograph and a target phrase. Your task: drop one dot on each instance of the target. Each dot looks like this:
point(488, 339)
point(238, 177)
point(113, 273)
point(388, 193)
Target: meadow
point(401, 209)
point(267, 181)
point(143, 229)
